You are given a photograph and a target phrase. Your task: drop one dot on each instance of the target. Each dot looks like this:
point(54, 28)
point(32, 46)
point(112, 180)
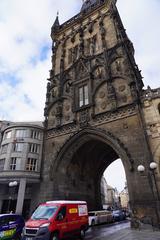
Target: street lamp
point(153, 184)
point(11, 185)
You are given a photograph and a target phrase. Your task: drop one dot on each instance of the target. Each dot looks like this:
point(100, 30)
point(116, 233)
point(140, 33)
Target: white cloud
point(141, 19)
point(25, 31)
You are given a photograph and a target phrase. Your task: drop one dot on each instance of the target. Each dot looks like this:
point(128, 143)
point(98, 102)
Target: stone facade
point(151, 111)
point(20, 162)
point(93, 111)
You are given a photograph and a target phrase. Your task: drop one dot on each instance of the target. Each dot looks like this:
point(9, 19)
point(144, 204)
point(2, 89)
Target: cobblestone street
point(122, 231)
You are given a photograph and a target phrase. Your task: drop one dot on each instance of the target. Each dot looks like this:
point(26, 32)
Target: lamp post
point(153, 185)
point(11, 185)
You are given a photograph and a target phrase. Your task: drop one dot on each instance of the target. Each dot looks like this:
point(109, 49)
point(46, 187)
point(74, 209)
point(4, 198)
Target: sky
point(25, 49)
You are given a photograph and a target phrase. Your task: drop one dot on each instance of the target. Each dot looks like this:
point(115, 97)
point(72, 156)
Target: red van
point(54, 220)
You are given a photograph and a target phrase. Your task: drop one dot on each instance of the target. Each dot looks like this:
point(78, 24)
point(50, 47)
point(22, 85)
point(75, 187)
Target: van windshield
point(44, 212)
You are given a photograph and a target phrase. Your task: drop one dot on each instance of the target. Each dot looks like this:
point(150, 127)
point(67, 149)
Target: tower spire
point(56, 25)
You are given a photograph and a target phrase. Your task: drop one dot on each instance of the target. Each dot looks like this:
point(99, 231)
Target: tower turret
point(55, 27)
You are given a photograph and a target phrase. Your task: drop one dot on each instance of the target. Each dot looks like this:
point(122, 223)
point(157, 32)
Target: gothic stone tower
point(93, 113)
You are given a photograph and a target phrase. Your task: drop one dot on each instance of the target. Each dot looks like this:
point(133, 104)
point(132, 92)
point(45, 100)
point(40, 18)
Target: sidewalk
point(129, 234)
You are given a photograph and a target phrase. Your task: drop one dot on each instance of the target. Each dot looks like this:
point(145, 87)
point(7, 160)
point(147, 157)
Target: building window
point(35, 134)
point(15, 163)
point(83, 96)
point(31, 164)
point(4, 148)
point(21, 133)
point(18, 147)
point(2, 161)
point(7, 135)
point(34, 148)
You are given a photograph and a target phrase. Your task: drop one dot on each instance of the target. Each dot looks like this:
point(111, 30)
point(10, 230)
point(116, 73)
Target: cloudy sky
point(25, 49)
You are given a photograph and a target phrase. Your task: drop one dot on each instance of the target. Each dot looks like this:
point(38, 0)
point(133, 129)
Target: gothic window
point(31, 164)
point(159, 108)
point(83, 96)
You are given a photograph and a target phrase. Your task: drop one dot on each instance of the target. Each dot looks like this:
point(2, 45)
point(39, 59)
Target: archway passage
point(81, 164)
point(86, 169)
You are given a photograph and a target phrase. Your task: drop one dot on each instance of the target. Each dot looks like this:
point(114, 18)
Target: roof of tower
point(89, 4)
point(56, 24)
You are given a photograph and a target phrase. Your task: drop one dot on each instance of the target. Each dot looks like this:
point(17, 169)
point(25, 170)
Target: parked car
point(98, 217)
point(11, 226)
point(118, 215)
point(54, 220)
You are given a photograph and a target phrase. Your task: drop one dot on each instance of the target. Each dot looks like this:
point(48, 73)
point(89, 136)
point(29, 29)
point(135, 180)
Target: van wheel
point(55, 236)
point(82, 234)
point(93, 223)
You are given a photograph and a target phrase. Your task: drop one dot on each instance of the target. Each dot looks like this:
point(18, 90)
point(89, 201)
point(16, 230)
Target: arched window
point(159, 108)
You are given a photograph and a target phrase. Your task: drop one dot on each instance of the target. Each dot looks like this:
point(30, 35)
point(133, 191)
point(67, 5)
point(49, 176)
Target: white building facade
point(20, 165)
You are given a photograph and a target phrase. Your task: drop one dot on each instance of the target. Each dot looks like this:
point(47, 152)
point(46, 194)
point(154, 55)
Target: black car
point(119, 215)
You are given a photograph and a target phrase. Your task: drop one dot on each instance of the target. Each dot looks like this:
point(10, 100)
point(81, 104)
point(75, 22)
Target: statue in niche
point(68, 86)
point(90, 27)
point(54, 91)
point(58, 110)
point(99, 72)
point(70, 55)
point(118, 66)
point(81, 47)
point(102, 29)
point(75, 53)
point(93, 45)
point(133, 90)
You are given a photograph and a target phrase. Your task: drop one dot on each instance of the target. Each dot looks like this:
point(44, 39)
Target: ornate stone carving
point(84, 118)
point(102, 94)
point(103, 105)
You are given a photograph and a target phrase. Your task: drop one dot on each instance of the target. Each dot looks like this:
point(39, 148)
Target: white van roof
point(67, 202)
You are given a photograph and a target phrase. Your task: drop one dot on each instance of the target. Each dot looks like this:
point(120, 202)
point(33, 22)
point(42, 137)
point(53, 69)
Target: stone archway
point(80, 164)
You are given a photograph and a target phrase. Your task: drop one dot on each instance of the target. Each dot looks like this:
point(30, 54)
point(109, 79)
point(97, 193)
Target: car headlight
point(45, 225)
